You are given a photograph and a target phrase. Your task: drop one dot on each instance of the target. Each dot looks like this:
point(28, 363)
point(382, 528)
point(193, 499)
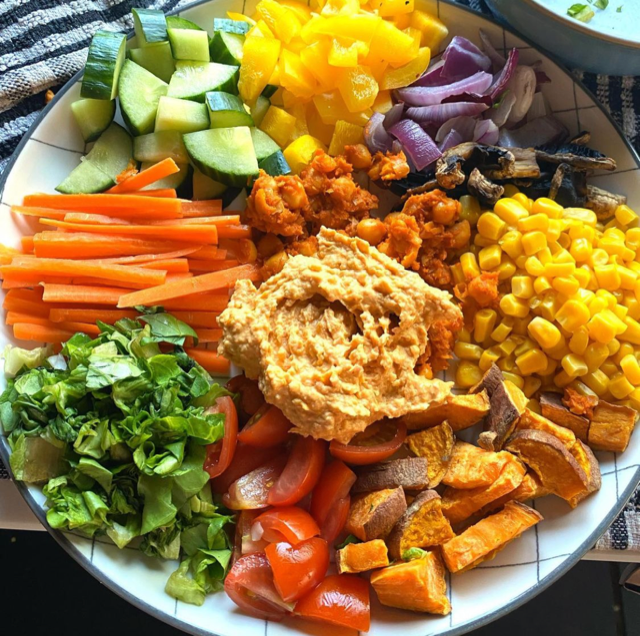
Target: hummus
point(333, 339)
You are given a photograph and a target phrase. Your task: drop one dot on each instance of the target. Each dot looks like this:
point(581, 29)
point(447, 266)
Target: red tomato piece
point(341, 599)
point(251, 491)
point(268, 427)
point(297, 569)
point(330, 500)
point(244, 542)
point(220, 454)
point(377, 443)
point(290, 524)
point(301, 473)
point(250, 586)
point(251, 398)
point(245, 459)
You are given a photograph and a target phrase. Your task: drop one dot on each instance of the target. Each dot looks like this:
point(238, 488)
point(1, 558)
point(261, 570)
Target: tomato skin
point(290, 524)
point(301, 473)
point(268, 427)
point(250, 586)
point(243, 542)
point(220, 454)
point(363, 455)
point(251, 398)
point(330, 499)
point(341, 599)
point(245, 459)
point(298, 569)
point(251, 491)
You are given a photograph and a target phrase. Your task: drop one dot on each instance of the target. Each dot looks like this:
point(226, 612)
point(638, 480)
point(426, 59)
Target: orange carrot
point(87, 218)
point(34, 281)
point(39, 212)
point(209, 252)
point(243, 249)
point(40, 333)
point(174, 265)
point(208, 335)
point(27, 244)
point(231, 219)
point(235, 232)
point(81, 294)
point(199, 302)
point(147, 259)
point(72, 314)
point(210, 361)
point(178, 276)
point(7, 254)
point(210, 207)
point(154, 173)
point(211, 266)
point(23, 305)
point(169, 193)
point(133, 205)
point(196, 319)
point(205, 283)
point(125, 288)
point(14, 318)
point(186, 233)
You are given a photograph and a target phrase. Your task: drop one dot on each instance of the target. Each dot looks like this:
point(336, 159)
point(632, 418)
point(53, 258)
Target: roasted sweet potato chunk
point(611, 427)
point(474, 467)
point(361, 557)
point(435, 445)
point(421, 526)
point(531, 420)
point(553, 409)
point(372, 515)
point(486, 538)
point(417, 585)
point(508, 403)
point(530, 488)
point(411, 473)
point(458, 505)
point(549, 458)
point(490, 381)
point(460, 411)
point(588, 462)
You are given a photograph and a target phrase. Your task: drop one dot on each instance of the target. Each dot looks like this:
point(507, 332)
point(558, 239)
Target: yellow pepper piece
point(294, 75)
point(383, 102)
point(240, 17)
point(407, 74)
point(345, 134)
point(261, 30)
point(317, 128)
point(259, 59)
point(314, 57)
point(282, 21)
point(279, 125)
point(356, 27)
point(396, 47)
point(302, 11)
point(434, 32)
point(299, 111)
point(467, 374)
point(343, 54)
point(340, 7)
point(299, 152)
point(358, 88)
point(332, 107)
point(390, 8)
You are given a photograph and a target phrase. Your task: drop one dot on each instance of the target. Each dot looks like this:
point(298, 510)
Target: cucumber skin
point(269, 90)
point(156, 26)
point(143, 147)
point(162, 68)
point(98, 181)
point(275, 164)
point(96, 131)
point(263, 145)
point(176, 22)
point(219, 51)
point(230, 85)
point(220, 103)
point(231, 26)
point(106, 49)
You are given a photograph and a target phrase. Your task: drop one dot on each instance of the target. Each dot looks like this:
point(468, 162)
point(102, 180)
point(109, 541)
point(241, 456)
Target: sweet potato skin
point(508, 403)
point(372, 515)
point(361, 557)
point(460, 411)
point(411, 473)
point(530, 488)
point(611, 427)
point(474, 467)
point(486, 538)
point(588, 462)
point(421, 526)
point(534, 421)
point(435, 444)
point(417, 585)
point(490, 381)
point(554, 410)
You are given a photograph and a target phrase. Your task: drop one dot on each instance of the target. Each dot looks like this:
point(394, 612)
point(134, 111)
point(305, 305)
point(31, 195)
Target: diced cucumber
point(269, 90)
point(156, 58)
point(104, 60)
point(192, 80)
point(172, 181)
point(226, 48)
point(176, 22)
point(109, 156)
point(150, 26)
point(187, 44)
point(275, 164)
point(139, 92)
point(93, 116)
point(205, 187)
point(224, 154)
point(181, 115)
point(259, 109)
point(230, 26)
point(226, 110)
point(166, 144)
point(263, 145)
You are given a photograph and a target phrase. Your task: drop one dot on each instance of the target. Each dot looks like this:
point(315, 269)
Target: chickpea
point(269, 245)
point(275, 263)
point(358, 156)
point(372, 230)
point(445, 212)
point(461, 234)
point(247, 251)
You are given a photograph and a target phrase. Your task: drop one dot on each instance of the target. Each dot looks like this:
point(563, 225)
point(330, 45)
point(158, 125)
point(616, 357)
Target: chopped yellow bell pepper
point(402, 21)
point(259, 59)
point(299, 152)
point(416, 34)
point(434, 32)
point(299, 111)
point(317, 128)
point(296, 45)
point(383, 102)
point(356, 27)
point(358, 88)
point(240, 17)
point(392, 44)
point(282, 21)
point(315, 57)
point(302, 11)
point(342, 54)
point(279, 125)
point(331, 107)
point(294, 75)
point(407, 74)
point(260, 29)
point(390, 8)
point(345, 134)
point(277, 98)
point(340, 7)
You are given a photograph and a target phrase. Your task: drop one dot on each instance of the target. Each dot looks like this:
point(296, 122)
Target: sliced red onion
point(497, 60)
point(432, 76)
point(421, 149)
point(393, 115)
point(464, 126)
point(486, 132)
point(504, 76)
point(375, 135)
point(500, 114)
point(463, 58)
point(452, 139)
point(431, 95)
point(540, 131)
point(523, 84)
point(539, 107)
point(440, 113)
point(256, 531)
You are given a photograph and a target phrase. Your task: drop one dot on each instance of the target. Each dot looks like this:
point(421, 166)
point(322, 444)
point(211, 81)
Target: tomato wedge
point(288, 524)
point(220, 454)
point(300, 474)
point(250, 586)
point(251, 491)
point(377, 443)
point(268, 427)
point(297, 569)
point(244, 542)
point(245, 459)
point(341, 599)
point(330, 499)
point(251, 398)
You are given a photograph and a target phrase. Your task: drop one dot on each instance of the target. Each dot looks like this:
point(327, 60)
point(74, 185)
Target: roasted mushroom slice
point(558, 178)
point(449, 168)
point(525, 166)
point(603, 203)
point(582, 138)
point(576, 156)
point(481, 187)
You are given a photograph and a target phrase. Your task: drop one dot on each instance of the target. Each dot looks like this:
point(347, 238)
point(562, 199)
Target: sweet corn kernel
point(562, 379)
point(526, 345)
point(597, 305)
point(612, 246)
point(552, 366)
point(512, 306)
point(632, 332)
point(617, 322)
point(522, 286)
point(467, 351)
point(583, 276)
point(554, 230)
point(634, 399)
point(469, 265)
point(597, 381)
point(613, 346)
point(464, 335)
point(620, 311)
point(581, 249)
point(582, 215)
point(514, 378)
point(520, 326)
point(559, 351)
point(506, 269)
point(510, 211)
point(545, 333)
point(574, 365)
point(625, 350)
point(631, 369)
point(545, 256)
point(533, 223)
point(549, 306)
point(601, 329)
point(523, 200)
point(508, 346)
point(547, 206)
point(627, 254)
point(632, 238)
point(457, 273)
point(510, 190)
point(632, 305)
point(620, 387)
point(562, 255)
point(489, 257)
point(484, 322)
point(595, 355)
point(511, 243)
point(481, 241)
point(501, 332)
point(541, 284)
point(608, 297)
point(521, 261)
point(531, 385)
point(533, 242)
point(572, 315)
point(567, 285)
point(534, 267)
point(559, 269)
point(491, 226)
point(488, 357)
point(609, 368)
point(598, 258)
point(564, 241)
point(507, 364)
point(467, 374)
point(628, 277)
point(470, 209)
point(579, 341)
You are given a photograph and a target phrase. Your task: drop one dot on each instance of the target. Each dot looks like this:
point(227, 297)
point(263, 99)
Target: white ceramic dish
point(53, 146)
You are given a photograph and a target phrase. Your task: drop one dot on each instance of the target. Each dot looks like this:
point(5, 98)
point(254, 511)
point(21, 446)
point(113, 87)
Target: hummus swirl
point(333, 339)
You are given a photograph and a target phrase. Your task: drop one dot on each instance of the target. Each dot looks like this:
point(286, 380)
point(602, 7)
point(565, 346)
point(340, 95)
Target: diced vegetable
point(259, 109)
point(154, 147)
point(263, 145)
point(104, 60)
point(275, 164)
point(139, 92)
point(226, 48)
point(259, 59)
point(189, 44)
point(230, 26)
point(345, 134)
point(181, 115)
point(149, 25)
point(205, 187)
point(156, 58)
point(192, 80)
point(226, 110)
point(93, 116)
point(279, 125)
point(176, 22)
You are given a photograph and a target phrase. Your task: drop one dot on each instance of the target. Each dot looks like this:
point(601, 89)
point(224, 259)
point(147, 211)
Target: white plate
point(527, 566)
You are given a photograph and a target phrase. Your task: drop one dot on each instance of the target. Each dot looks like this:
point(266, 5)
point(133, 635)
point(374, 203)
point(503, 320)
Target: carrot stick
point(40, 333)
point(234, 231)
point(14, 318)
point(186, 233)
point(84, 327)
point(209, 252)
point(27, 244)
point(154, 173)
point(22, 305)
point(133, 205)
point(72, 314)
point(87, 218)
point(168, 193)
point(210, 207)
point(232, 219)
point(125, 288)
point(178, 276)
point(174, 265)
point(81, 294)
point(210, 361)
point(145, 260)
point(208, 335)
point(34, 281)
point(199, 302)
point(196, 319)
point(211, 266)
point(39, 212)
point(207, 282)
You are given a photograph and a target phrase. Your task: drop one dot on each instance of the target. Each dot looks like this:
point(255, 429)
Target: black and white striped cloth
point(43, 43)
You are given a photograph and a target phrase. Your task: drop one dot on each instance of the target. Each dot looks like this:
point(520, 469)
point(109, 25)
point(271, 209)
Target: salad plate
point(49, 151)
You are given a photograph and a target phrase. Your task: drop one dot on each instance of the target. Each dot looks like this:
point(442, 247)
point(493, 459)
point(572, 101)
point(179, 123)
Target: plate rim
point(61, 537)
